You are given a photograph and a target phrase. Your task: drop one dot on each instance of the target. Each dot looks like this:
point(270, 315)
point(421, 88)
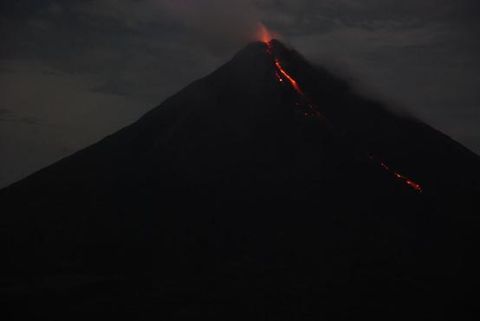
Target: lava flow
point(399, 176)
point(267, 39)
point(282, 75)
point(292, 81)
point(312, 110)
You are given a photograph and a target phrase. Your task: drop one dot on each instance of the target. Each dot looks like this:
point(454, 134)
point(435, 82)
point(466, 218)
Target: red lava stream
point(283, 76)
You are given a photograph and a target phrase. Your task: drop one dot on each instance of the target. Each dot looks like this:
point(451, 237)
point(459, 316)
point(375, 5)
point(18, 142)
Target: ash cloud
point(217, 24)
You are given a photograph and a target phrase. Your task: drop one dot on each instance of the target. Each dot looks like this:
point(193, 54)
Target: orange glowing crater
point(263, 34)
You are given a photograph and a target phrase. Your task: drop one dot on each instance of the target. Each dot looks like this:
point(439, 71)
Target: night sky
point(73, 71)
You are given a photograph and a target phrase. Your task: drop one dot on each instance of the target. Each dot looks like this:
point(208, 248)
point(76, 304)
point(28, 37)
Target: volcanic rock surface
point(268, 190)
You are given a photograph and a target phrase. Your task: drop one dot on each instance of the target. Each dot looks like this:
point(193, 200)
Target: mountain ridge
point(234, 193)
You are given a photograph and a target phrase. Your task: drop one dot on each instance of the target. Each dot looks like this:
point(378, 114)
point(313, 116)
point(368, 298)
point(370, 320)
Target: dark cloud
point(71, 65)
point(9, 116)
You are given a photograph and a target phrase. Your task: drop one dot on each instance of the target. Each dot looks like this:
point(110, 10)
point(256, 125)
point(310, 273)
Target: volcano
point(268, 190)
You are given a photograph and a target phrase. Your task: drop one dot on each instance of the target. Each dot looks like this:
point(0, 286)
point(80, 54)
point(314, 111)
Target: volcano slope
point(267, 190)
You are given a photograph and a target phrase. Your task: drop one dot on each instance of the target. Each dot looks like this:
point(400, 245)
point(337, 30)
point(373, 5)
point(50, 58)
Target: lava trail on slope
point(311, 110)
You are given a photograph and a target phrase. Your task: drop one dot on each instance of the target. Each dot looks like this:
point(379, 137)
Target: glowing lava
point(282, 75)
point(266, 37)
point(285, 74)
point(399, 176)
point(310, 109)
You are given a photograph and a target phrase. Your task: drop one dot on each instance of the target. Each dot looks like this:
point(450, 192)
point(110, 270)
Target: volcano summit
point(269, 189)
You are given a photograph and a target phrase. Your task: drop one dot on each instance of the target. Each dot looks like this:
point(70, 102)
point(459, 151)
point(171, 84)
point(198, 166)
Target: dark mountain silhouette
point(268, 190)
